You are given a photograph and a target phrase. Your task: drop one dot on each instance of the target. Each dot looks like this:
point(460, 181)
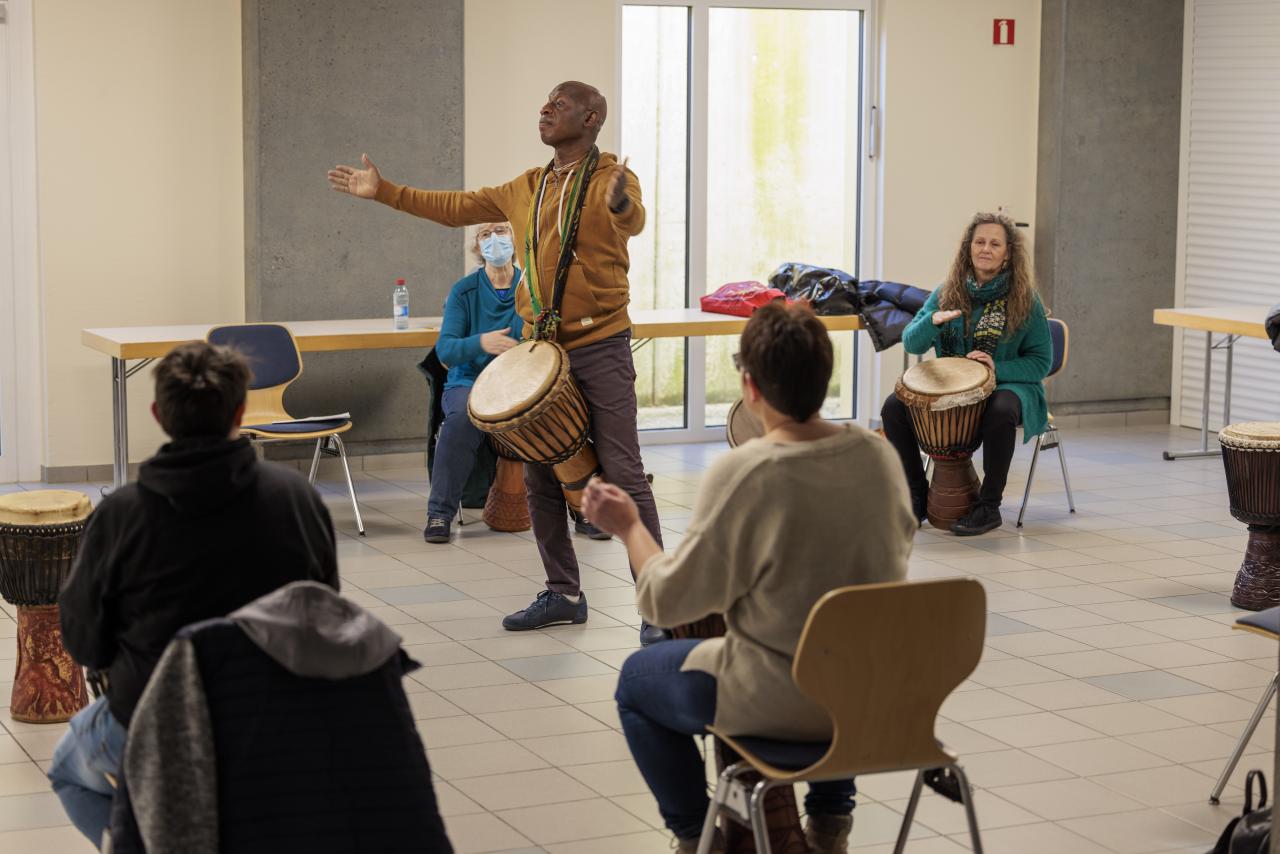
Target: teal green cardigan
point(1022, 359)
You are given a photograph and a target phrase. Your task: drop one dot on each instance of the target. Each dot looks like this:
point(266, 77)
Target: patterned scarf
point(547, 318)
point(990, 328)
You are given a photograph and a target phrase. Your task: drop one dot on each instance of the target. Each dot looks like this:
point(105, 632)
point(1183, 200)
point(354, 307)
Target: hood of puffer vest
point(311, 631)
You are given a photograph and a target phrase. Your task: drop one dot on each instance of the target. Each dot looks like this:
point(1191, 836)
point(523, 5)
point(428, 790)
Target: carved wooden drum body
point(39, 536)
point(1251, 458)
point(527, 401)
point(507, 508)
point(946, 398)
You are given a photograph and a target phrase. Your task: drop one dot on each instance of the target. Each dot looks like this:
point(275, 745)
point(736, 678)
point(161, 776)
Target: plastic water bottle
point(400, 305)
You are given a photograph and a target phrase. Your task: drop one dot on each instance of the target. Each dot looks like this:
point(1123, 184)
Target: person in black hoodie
point(205, 530)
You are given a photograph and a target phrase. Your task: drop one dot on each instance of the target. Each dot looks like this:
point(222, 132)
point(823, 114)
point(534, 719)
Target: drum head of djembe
point(1251, 436)
point(742, 425)
point(44, 507)
point(39, 535)
point(946, 383)
point(515, 382)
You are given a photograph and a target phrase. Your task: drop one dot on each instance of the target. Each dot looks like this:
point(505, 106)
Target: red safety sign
point(1002, 31)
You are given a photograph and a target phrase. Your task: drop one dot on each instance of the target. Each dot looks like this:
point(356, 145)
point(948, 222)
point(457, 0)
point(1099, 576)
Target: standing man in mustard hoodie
point(591, 252)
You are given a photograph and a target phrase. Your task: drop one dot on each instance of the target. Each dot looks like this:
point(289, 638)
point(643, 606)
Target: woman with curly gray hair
point(987, 310)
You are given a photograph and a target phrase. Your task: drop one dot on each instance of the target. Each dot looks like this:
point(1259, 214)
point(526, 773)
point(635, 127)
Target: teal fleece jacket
point(474, 307)
point(1022, 358)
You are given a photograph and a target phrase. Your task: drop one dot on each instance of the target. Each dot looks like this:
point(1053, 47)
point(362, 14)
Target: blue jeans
point(92, 748)
point(661, 709)
point(456, 447)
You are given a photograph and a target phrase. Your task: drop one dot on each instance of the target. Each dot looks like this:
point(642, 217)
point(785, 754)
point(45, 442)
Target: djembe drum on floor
point(507, 506)
point(786, 835)
point(528, 403)
point(39, 535)
point(946, 398)
point(1251, 457)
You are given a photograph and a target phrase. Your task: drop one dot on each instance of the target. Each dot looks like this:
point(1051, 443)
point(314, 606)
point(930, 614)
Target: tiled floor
point(1111, 692)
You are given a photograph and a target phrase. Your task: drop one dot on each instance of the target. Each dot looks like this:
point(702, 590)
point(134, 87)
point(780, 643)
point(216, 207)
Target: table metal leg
point(1204, 450)
point(120, 422)
point(1226, 388)
point(120, 373)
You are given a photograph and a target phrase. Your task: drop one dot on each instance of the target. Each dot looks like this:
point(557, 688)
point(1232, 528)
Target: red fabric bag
point(740, 298)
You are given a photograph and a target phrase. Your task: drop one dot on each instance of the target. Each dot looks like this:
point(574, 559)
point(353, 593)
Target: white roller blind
point(1232, 185)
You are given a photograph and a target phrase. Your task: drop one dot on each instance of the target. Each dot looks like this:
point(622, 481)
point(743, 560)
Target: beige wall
point(959, 131)
point(958, 113)
point(141, 193)
point(506, 82)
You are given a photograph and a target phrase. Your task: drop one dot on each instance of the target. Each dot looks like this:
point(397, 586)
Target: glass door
point(745, 124)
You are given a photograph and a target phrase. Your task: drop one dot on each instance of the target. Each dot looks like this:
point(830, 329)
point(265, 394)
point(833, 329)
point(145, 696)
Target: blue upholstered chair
point(1050, 438)
point(1267, 624)
point(883, 713)
point(276, 362)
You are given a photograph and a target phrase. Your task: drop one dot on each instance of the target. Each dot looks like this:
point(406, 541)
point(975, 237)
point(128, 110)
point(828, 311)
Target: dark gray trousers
point(606, 375)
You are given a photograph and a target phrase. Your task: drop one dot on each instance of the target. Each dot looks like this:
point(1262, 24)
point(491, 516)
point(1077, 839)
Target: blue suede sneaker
point(582, 526)
point(548, 609)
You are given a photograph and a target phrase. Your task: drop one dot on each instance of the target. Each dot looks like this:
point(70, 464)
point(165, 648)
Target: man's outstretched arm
point(448, 207)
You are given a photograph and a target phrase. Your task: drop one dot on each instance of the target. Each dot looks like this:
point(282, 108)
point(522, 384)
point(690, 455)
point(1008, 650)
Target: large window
point(655, 136)
point(744, 126)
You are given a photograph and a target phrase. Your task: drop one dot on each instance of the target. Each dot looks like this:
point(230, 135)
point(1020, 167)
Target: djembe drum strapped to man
point(39, 536)
point(1251, 457)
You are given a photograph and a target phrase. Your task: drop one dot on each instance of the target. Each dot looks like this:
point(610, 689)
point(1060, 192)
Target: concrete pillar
point(1107, 195)
point(325, 81)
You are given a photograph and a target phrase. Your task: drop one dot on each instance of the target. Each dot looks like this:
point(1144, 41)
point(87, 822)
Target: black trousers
point(999, 436)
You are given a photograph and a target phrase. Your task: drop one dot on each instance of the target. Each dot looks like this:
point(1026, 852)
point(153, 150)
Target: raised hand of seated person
point(609, 508)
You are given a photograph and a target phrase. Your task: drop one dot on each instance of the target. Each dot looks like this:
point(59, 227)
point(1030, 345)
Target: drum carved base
point(48, 686)
point(782, 816)
point(507, 507)
point(1258, 580)
point(952, 492)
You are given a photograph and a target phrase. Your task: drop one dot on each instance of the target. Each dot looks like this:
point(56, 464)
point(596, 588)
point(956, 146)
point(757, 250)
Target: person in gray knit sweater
point(778, 522)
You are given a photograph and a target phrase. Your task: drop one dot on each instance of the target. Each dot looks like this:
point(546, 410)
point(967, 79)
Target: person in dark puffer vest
point(284, 727)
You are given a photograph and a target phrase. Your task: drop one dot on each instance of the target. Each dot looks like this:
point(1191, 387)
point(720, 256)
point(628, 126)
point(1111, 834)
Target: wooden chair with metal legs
point(880, 659)
point(1051, 438)
point(276, 362)
point(1267, 624)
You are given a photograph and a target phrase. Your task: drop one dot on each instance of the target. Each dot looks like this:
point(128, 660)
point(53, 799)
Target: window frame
point(867, 160)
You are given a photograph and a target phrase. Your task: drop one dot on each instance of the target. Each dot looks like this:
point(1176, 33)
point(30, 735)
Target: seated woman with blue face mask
point(479, 323)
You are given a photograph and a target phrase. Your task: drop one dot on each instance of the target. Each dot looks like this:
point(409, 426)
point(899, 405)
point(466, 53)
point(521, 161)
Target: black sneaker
point(982, 518)
point(548, 609)
point(582, 526)
point(650, 634)
point(437, 531)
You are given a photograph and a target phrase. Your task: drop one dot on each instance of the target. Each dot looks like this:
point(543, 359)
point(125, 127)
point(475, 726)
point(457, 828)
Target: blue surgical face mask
point(497, 249)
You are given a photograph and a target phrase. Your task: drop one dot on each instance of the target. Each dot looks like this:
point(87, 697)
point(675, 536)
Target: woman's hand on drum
point(609, 508)
point(941, 317)
point(498, 341)
point(984, 358)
